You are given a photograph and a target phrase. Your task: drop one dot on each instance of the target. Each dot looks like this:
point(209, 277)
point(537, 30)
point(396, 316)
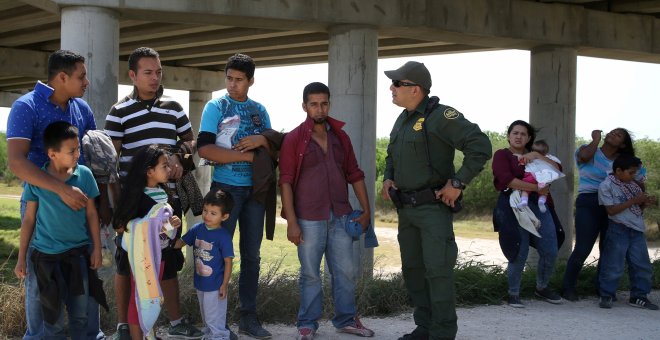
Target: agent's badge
point(450, 113)
point(418, 124)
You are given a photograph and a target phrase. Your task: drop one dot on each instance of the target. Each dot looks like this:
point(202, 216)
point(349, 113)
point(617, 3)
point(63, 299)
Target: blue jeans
point(330, 238)
point(625, 244)
point(250, 216)
point(35, 322)
point(546, 247)
point(76, 307)
point(590, 222)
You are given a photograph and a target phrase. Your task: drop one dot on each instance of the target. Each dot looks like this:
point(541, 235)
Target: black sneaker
point(514, 301)
point(548, 294)
point(232, 335)
point(123, 333)
point(184, 330)
point(642, 302)
point(605, 302)
point(570, 295)
point(417, 334)
point(250, 325)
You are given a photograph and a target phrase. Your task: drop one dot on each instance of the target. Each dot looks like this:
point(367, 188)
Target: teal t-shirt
point(254, 120)
point(59, 228)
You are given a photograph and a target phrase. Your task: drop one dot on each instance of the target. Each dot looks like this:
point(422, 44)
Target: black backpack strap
point(432, 104)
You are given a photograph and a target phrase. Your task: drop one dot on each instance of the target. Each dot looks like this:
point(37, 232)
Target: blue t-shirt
point(593, 172)
point(33, 112)
point(59, 228)
point(210, 247)
point(254, 120)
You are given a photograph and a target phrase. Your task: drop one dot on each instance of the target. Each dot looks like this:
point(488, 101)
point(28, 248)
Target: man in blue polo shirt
point(57, 100)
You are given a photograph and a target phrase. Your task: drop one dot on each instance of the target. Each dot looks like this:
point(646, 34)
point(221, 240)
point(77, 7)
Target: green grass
point(10, 189)
point(10, 223)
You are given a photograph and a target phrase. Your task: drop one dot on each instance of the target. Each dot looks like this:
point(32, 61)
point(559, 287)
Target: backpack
point(101, 156)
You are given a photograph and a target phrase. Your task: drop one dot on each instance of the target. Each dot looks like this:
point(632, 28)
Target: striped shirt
point(139, 123)
point(157, 194)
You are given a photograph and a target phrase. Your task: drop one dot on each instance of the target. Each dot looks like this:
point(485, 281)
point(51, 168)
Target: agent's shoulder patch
point(451, 113)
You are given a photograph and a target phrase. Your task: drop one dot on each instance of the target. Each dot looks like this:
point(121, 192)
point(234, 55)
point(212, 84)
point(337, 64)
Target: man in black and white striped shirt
point(142, 118)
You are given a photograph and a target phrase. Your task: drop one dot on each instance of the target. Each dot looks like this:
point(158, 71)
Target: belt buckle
point(413, 200)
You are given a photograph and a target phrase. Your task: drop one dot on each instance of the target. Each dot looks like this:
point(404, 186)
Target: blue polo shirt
point(33, 112)
point(59, 228)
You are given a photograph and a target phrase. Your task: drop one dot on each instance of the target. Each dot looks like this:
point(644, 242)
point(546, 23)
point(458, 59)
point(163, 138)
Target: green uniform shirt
point(448, 130)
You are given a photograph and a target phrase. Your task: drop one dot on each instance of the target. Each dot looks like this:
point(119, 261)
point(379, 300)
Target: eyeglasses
point(399, 83)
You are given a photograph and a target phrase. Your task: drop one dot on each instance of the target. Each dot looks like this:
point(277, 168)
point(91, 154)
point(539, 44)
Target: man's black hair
point(58, 132)
point(625, 162)
point(139, 53)
point(221, 199)
point(63, 61)
point(243, 63)
point(315, 88)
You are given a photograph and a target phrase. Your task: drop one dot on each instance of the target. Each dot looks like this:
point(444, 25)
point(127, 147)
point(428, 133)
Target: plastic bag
point(228, 129)
point(226, 133)
point(543, 172)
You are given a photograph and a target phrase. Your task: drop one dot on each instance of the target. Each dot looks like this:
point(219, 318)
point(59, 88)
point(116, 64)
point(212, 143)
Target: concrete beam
point(25, 63)
point(46, 5)
point(637, 6)
point(489, 23)
point(8, 98)
point(21, 18)
point(16, 63)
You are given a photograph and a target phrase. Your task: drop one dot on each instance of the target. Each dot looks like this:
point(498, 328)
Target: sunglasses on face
point(399, 83)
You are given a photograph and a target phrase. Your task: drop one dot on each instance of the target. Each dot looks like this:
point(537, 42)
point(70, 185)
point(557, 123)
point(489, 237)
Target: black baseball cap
point(413, 71)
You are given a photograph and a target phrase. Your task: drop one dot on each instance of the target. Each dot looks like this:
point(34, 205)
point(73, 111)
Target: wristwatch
point(457, 184)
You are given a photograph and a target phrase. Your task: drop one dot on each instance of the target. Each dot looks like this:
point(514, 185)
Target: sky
point(489, 88)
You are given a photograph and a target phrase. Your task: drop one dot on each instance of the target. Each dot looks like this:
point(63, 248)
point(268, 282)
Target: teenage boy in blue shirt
point(62, 237)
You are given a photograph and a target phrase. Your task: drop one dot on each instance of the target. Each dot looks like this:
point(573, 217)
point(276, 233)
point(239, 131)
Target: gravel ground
point(538, 320)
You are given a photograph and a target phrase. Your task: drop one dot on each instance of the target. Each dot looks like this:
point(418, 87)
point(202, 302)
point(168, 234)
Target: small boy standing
point(624, 201)
point(64, 268)
point(213, 252)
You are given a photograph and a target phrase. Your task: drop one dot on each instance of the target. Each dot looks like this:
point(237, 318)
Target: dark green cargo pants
point(428, 257)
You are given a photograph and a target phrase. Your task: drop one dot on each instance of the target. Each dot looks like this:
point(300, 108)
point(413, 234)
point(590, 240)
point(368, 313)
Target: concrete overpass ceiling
point(291, 32)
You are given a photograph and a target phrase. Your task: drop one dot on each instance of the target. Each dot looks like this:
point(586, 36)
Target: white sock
point(120, 324)
point(173, 323)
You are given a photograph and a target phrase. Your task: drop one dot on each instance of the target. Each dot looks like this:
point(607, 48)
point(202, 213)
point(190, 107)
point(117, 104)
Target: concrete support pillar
point(196, 102)
point(552, 111)
point(94, 33)
point(352, 74)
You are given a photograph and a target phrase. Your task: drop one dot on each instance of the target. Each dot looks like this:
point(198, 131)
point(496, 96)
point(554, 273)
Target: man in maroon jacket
point(317, 163)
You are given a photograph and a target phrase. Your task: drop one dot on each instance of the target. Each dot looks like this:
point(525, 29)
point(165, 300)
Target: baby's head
point(541, 147)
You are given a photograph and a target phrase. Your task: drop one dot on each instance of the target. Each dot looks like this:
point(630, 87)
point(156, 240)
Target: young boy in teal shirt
point(61, 237)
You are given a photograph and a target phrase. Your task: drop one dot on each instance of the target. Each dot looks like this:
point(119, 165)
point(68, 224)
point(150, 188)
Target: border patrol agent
point(421, 181)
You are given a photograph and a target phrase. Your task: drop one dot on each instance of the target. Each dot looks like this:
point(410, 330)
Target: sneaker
point(514, 301)
point(548, 294)
point(417, 334)
point(184, 330)
point(123, 333)
point(357, 329)
point(642, 302)
point(250, 325)
point(305, 333)
point(570, 295)
point(232, 335)
point(605, 302)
